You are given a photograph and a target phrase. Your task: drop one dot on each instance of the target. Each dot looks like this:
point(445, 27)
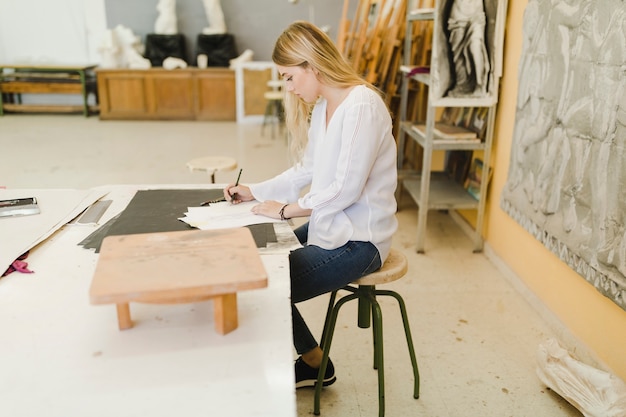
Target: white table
point(61, 356)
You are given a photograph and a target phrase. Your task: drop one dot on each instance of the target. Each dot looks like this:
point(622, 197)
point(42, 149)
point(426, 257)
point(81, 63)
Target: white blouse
point(351, 169)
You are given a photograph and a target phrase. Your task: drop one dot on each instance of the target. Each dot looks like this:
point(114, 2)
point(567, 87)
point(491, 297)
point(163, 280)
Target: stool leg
point(274, 119)
point(268, 109)
point(328, 331)
point(409, 338)
point(367, 299)
point(365, 305)
point(378, 354)
point(123, 316)
point(281, 116)
point(331, 303)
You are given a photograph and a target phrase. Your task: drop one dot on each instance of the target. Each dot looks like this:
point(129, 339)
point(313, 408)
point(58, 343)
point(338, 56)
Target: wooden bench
point(45, 79)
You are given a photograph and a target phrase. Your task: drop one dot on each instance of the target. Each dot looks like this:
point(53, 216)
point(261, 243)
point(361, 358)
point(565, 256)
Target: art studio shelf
point(429, 77)
point(439, 143)
point(444, 193)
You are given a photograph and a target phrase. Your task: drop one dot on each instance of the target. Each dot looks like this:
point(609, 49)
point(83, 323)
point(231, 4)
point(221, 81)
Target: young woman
point(341, 139)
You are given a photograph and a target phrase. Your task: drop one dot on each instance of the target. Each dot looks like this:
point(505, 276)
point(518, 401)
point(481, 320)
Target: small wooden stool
point(274, 111)
point(212, 164)
point(395, 267)
point(178, 267)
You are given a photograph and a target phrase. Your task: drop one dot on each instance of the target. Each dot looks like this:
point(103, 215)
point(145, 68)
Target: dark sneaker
point(307, 376)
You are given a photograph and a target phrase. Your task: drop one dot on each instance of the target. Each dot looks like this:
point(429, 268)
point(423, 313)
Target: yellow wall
point(594, 319)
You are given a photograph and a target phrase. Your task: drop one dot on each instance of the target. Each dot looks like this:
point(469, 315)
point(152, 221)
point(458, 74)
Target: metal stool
point(395, 267)
point(212, 164)
point(274, 111)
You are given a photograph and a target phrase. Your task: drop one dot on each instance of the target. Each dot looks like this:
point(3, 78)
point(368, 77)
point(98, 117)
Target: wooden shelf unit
point(437, 190)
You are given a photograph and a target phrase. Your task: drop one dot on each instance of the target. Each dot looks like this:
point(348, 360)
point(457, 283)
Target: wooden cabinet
point(156, 93)
point(215, 98)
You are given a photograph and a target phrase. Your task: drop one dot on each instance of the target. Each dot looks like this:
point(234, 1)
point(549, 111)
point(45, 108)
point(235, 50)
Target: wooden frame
point(250, 89)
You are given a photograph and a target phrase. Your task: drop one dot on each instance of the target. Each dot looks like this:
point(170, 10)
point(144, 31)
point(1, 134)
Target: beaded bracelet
point(282, 212)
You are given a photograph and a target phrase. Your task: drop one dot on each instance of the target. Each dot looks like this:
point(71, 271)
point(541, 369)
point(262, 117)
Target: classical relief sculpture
point(166, 21)
point(215, 16)
point(567, 173)
point(466, 25)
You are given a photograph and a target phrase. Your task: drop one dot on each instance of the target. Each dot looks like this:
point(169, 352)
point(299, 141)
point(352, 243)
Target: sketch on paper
point(566, 183)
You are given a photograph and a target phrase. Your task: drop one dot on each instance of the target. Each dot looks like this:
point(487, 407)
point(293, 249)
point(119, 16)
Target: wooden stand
point(45, 79)
point(178, 267)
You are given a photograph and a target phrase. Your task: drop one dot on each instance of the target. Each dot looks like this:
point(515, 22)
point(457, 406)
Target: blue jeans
point(315, 271)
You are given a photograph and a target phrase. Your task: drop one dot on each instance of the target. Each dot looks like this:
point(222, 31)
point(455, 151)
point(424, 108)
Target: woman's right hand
point(237, 193)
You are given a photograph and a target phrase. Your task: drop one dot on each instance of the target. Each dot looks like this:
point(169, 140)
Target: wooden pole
point(344, 26)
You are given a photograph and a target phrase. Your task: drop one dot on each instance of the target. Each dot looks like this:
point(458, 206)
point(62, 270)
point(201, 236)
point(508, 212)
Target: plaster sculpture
point(109, 51)
point(131, 49)
point(215, 16)
point(171, 63)
point(466, 24)
point(203, 61)
point(246, 56)
point(166, 21)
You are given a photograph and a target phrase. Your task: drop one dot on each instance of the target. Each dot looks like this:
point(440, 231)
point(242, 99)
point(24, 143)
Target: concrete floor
point(475, 333)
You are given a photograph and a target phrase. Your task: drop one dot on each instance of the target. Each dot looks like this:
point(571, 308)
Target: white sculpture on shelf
point(109, 51)
point(166, 21)
point(203, 61)
point(215, 16)
point(171, 63)
point(246, 56)
point(132, 48)
point(121, 48)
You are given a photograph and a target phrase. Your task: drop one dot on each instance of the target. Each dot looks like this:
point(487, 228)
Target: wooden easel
point(373, 42)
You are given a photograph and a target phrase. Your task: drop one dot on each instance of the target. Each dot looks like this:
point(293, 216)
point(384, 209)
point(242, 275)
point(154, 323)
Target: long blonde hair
point(304, 45)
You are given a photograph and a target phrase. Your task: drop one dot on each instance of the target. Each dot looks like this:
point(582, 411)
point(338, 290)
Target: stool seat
point(212, 164)
point(273, 95)
point(276, 83)
point(274, 111)
point(395, 267)
point(369, 315)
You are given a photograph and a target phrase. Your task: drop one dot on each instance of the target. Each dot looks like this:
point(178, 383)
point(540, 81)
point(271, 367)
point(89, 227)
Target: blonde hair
point(304, 45)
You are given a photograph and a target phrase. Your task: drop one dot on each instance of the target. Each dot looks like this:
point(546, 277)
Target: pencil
point(234, 196)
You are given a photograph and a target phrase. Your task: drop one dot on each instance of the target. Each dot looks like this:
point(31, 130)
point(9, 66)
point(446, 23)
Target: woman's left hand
point(269, 208)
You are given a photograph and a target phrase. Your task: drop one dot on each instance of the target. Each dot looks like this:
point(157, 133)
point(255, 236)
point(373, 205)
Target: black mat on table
point(152, 211)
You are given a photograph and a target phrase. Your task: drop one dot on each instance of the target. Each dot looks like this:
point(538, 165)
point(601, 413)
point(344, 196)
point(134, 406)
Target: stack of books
point(449, 133)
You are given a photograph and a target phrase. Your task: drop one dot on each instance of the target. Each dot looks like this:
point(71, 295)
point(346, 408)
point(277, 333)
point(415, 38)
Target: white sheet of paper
point(224, 215)
point(58, 207)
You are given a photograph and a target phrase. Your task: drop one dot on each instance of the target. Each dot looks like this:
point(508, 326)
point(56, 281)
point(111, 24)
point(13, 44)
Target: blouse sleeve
point(286, 187)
